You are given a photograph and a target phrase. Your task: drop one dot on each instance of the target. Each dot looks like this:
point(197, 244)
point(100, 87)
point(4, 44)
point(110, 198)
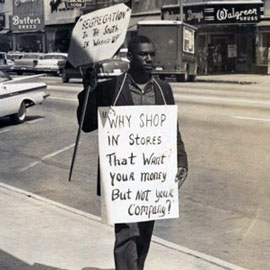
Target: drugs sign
point(75, 3)
point(98, 35)
point(137, 151)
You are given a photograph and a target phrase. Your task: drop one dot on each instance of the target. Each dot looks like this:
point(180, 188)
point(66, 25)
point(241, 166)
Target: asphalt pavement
point(40, 234)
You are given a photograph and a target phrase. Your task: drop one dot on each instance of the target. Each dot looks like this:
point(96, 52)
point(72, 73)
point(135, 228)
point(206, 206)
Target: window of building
point(263, 44)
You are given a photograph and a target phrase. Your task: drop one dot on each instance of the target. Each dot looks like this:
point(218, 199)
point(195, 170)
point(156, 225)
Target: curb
point(225, 81)
point(156, 240)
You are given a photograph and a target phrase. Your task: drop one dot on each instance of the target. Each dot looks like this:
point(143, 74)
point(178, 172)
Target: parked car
point(16, 95)
point(27, 63)
point(105, 69)
point(122, 54)
point(51, 63)
point(4, 61)
point(11, 56)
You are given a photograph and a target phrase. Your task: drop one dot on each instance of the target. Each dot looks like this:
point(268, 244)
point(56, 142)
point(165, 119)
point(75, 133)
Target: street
point(224, 204)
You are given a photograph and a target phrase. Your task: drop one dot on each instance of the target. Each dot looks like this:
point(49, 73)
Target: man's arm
point(182, 161)
point(90, 118)
point(100, 95)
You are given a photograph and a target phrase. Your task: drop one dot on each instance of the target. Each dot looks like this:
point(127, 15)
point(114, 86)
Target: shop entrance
point(62, 39)
point(220, 58)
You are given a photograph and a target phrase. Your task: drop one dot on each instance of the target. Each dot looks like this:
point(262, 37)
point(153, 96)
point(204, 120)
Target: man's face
point(143, 56)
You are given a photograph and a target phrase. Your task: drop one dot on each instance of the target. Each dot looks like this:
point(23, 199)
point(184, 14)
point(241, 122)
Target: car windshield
point(4, 77)
point(32, 56)
point(2, 56)
point(14, 56)
point(54, 57)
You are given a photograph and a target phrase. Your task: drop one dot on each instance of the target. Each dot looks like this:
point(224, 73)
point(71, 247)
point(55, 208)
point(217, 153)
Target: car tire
point(20, 116)
point(191, 78)
point(181, 78)
point(65, 78)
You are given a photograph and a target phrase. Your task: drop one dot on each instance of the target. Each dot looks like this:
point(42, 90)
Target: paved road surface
point(224, 203)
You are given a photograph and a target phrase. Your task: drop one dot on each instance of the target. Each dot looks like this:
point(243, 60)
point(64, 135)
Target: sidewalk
point(235, 78)
point(39, 234)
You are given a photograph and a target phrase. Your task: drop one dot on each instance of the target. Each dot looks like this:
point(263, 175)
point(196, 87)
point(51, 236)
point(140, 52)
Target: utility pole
point(181, 12)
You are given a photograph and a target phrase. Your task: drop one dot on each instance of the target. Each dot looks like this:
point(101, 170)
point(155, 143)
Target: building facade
point(263, 41)
point(5, 34)
point(59, 20)
point(226, 35)
point(36, 25)
point(232, 36)
point(27, 25)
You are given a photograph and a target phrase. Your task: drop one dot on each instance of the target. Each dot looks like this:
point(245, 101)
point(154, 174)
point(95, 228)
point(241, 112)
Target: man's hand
point(181, 176)
point(90, 77)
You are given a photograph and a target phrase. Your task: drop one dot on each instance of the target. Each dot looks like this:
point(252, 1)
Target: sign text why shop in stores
point(137, 150)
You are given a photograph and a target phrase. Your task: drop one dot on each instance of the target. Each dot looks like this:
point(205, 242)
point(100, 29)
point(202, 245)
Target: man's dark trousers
point(132, 243)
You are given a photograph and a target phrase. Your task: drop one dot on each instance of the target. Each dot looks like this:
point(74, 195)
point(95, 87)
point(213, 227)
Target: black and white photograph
point(133, 134)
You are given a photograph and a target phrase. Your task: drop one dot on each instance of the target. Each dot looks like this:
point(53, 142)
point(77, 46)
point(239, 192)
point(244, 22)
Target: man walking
point(136, 87)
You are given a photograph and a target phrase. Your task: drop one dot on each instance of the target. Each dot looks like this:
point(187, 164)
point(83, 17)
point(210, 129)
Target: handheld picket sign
point(98, 35)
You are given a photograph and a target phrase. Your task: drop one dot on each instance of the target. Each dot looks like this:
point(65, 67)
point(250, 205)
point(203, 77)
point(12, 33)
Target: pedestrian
point(135, 87)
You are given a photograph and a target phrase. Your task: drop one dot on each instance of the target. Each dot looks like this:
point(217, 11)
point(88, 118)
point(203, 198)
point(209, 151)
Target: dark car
point(70, 72)
point(4, 61)
point(105, 69)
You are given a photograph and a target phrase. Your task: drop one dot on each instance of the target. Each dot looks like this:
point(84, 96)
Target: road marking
point(32, 164)
point(34, 121)
point(67, 99)
point(252, 118)
point(252, 224)
point(4, 131)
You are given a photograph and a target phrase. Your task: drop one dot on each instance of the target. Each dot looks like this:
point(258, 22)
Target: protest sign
point(98, 35)
point(137, 151)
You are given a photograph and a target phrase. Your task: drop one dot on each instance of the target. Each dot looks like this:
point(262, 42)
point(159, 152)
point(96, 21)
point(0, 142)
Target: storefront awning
point(4, 31)
point(134, 20)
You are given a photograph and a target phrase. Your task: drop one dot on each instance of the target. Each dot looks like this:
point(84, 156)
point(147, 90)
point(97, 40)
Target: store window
point(263, 44)
point(29, 42)
point(202, 54)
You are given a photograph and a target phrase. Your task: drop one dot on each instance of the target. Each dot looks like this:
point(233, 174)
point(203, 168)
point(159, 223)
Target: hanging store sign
point(27, 15)
point(216, 14)
point(75, 3)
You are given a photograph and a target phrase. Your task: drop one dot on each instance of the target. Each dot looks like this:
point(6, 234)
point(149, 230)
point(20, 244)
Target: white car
point(51, 63)
point(27, 63)
point(18, 94)
point(12, 56)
